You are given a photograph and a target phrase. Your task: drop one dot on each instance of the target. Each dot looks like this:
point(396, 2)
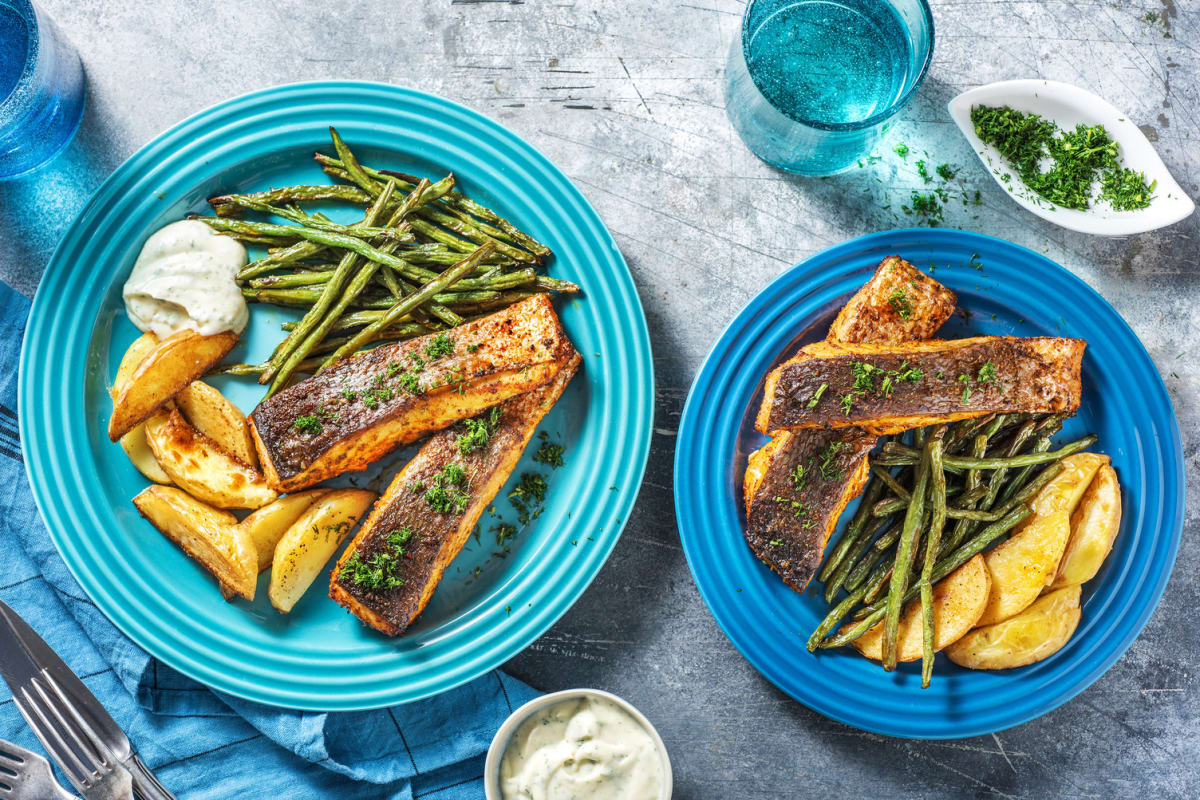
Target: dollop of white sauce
point(184, 278)
point(585, 749)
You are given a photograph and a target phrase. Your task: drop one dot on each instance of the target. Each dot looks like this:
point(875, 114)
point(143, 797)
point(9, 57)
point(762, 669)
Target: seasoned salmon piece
point(899, 304)
point(796, 488)
point(891, 388)
point(388, 573)
point(359, 410)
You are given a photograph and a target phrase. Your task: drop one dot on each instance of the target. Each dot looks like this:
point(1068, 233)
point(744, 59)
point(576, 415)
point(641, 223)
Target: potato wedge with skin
point(958, 600)
point(1036, 633)
point(1022, 566)
point(171, 365)
point(138, 449)
point(134, 355)
point(207, 534)
point(195, 463)
point(220, 420)
point(1064, 492)
point(1094, 526)
point(268, 524)
point(311, 541)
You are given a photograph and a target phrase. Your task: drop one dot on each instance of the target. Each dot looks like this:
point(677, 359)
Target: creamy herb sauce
point(584, 749)
point(184, 279)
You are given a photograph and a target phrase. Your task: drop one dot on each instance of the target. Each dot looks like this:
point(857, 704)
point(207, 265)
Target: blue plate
point(1013, 292)
point(487, 608)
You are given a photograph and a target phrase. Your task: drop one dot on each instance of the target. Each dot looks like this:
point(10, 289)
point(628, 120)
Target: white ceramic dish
point(491, 767)
point(1068, 106)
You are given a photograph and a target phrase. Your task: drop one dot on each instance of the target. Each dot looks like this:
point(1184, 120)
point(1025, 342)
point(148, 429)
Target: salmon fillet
point(796, 488)
point(361, 409)
point(434, 535)
point(899, 303)
point(890, 388)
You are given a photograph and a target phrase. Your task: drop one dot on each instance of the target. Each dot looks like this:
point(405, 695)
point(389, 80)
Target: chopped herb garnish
point(816, 398)
point(439, 346)
point(829, 469)
point(800, 508)
point(381, 569)
point(309, 423)
point(504, 532)
point(987, 373)
point(922, 171)
point(549, 454)
point(1073, 160)
point(350, 395)
point(471, 348)
point(799, 477)
point(901, 150)
point(900, 303)
point(477, 432)
point(445, 493)
point(528, 497)
point(965, 380)
point(410, 383)
point(866, 375)
point(927, 206)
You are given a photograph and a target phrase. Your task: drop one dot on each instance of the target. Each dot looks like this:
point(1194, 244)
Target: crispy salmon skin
point(413, 535)
point(891, 388)
point(359, 410)
point(899, 304)
point(796, 488)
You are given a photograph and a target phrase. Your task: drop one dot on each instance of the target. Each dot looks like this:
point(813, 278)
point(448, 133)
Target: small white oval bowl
point(491, 767)
point(1068, 106)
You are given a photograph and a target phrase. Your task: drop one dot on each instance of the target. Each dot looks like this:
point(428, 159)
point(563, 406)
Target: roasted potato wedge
point(1024, 565)
point(220, 420)
point(207, 534)
point(1065, 490)
point(138, 449)
point(310, 542)
point(268, 524)
point(196, 463)
point(958, 600)
point(170, 365)
point(1036, 633)
point(1094, 526)
point(134, 355)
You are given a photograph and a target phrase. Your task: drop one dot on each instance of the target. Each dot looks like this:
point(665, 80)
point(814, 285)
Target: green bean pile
point(979, 473)
point(423, 258)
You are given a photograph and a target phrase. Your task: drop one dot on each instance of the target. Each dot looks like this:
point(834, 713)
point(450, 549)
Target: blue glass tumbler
point(41, 89)
point(811, 85)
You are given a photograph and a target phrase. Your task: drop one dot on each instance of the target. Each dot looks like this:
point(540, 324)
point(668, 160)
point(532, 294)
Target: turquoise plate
point(488, 607)
point(1003, 290)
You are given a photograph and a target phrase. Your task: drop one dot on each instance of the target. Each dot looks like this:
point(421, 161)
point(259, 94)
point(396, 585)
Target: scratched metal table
point(626, 97)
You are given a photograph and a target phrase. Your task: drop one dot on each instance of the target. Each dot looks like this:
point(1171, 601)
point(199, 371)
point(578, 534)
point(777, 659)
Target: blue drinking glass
point(41, 89)
point(812, 84)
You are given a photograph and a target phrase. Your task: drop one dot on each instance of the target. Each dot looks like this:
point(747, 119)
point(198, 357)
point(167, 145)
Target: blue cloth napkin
point(204, 744)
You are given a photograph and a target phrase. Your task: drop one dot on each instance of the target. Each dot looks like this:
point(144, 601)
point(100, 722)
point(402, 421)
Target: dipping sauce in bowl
point(577, 745)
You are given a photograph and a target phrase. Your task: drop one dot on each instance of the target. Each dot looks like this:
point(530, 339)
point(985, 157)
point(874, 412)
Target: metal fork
point(87, 762)
point(24, 775)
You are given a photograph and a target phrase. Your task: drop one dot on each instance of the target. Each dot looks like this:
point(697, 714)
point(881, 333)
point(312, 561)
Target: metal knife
point(24, 654)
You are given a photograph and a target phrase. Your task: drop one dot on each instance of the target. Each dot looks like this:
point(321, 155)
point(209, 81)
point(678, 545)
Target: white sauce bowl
point(491, 767)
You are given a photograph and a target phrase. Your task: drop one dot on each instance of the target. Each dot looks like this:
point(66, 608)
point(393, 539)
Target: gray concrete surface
point(625, 96)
